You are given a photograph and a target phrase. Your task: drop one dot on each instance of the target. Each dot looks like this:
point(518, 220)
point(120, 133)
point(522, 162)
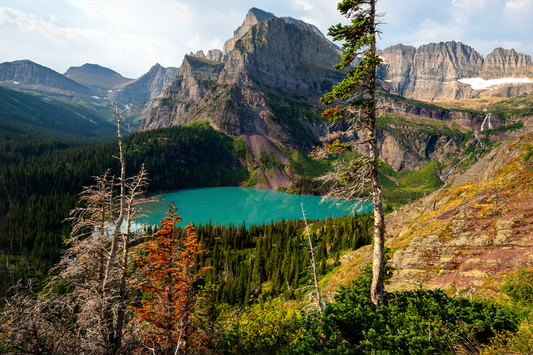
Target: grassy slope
point(51, 112)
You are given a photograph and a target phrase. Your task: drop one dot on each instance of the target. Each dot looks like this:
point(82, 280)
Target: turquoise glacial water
point(224, 205)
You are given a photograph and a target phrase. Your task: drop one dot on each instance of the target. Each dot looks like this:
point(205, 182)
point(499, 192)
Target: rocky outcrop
point(465, 119)
point(479, 228)
point(25, 74)
point(193, 80)
point(213, 54)
point(149, 86)
point(253, 17)
point(466, 237)
point(431, 72)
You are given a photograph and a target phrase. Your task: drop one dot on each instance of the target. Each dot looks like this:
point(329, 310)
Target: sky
point(130, 36)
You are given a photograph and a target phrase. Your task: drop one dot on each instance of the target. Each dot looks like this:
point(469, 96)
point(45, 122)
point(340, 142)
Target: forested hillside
point(41, 176)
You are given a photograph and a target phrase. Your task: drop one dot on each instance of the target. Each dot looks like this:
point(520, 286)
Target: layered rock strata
point(431, 72)
point(253, 17)
point(25, 74)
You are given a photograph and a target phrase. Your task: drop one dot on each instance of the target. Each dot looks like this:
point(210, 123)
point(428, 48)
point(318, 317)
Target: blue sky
point(130, 36)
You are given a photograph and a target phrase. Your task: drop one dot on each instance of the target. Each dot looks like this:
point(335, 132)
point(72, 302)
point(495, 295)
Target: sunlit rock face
point(447, 70)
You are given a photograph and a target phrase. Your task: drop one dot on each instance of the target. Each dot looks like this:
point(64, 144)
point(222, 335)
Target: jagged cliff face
point(25, 74)
point(506, 63)
point(149, 86)
point(188, 89)
point(273, 57)
point(431, 72)
point(253, 17)
point(213, 54)
point(291, 57)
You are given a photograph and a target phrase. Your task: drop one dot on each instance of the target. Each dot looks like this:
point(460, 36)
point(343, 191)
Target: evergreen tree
point(357, 179)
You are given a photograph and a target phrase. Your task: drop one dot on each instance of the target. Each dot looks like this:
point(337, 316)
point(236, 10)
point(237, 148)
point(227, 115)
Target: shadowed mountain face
point(25, 74)
point(97, 76)
point(34, 111)
point(149, 86)
point(431, 72)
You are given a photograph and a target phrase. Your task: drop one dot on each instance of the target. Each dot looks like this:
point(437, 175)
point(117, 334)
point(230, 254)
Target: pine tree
point(357, 179)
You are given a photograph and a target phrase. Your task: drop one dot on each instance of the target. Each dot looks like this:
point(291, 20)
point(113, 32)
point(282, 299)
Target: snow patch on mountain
point(480, 84)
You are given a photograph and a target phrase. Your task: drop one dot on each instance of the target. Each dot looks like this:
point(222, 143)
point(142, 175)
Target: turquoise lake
point(224, 205)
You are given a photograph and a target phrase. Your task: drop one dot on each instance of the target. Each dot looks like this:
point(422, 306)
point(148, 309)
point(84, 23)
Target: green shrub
point(519, 286)
point(410, 322)
point(262, 328)
point(505, 343)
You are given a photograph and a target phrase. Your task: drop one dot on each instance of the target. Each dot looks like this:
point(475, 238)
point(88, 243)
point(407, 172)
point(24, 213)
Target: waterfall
point(484, 120)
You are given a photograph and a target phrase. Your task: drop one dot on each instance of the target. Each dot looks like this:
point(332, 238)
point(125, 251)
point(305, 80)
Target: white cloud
point(130, 36)
point(516, 4)
point(305, 5)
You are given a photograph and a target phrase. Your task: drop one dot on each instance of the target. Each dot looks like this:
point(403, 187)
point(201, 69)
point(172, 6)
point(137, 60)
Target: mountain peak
point(260, 15)
point(92, 69)
point(95, 75)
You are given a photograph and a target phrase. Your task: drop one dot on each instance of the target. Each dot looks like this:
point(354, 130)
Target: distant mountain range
point(265, 85)
point(448, 71)
point(88, 88)
point(25, 74)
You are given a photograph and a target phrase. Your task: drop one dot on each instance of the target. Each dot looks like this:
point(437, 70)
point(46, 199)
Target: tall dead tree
point(313, 265)
point(97, 262)
point(93, 272)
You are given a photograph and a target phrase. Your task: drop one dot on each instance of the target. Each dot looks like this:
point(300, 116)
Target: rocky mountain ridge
point(431, 72)
point(148, 86)
point(246, 96)
point(267, 91)
point(25, 74)
point(273, 55)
